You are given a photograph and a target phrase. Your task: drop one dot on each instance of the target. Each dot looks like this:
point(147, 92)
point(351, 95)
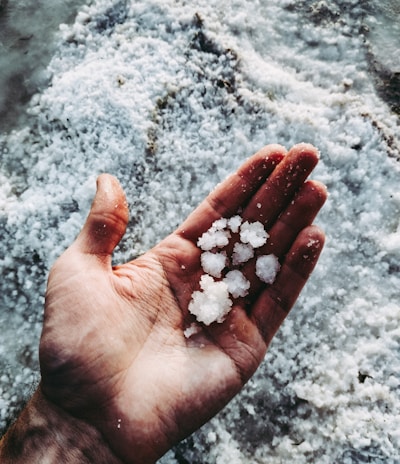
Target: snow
point(171, 97)
point(267, 267)
point(242, 252)
point(193, 329)
point(253, 234)
point(213, 263)
point(211, 304)
point(238, 285)
point(214, 238)
point(234, 223)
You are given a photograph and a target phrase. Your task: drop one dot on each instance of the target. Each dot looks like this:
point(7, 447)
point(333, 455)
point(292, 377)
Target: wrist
point(45, 433)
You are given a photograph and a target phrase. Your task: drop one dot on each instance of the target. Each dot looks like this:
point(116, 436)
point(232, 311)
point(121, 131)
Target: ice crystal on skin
point(238, 285)
point(242, 252)
point(254, 234)
point(220, 224)
point(213, 263)
point(267, 267)
point(193, 329)
point(212, 302)
point(234, 223)
point(215, 237)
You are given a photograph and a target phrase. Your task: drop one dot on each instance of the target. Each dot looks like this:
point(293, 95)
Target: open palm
point(113, 350)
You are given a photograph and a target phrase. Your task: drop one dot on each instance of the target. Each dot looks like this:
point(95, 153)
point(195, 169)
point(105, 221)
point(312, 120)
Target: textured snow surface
point(171, 96)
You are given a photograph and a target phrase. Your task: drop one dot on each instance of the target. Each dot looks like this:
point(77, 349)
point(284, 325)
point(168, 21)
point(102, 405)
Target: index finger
point(233, 193)
point(282, 185)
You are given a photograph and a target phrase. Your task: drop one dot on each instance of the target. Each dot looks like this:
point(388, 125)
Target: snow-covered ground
point(171, 96)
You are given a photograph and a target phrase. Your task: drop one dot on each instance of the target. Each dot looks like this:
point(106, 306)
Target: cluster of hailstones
point(213, 301)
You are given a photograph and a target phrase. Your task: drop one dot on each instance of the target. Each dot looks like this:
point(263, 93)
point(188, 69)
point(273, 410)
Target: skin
point(116, 368)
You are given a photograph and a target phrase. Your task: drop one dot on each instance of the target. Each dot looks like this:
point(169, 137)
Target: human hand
point(113, 352)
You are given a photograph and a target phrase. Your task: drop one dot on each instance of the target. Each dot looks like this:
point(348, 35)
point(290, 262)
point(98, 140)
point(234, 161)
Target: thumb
point(107, 219)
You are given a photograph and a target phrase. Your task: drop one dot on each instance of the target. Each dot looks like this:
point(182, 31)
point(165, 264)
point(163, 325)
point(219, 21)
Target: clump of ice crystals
point(267, 267)
point(214, 299)
point(213, 303)
point(253, 233)
point(217, 236)
point(237, 283)
point(213, 263)
point(234, 223)
point(242, 252)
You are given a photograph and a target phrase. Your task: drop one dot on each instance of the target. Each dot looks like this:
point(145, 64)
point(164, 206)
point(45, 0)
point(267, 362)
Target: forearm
point(45, 434)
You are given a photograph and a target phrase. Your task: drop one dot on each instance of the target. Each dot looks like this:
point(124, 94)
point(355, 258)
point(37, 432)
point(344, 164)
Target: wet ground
point(28, 31)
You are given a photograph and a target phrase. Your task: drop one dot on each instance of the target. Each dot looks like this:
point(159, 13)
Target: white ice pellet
point(267, 267)
point(238, 285)
point(234, 223)
point(213, 239)
point(193, 329)
point(242, 252)
point(253, 233)
point(220, 224)
point(212, 303)
point(213, 263)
